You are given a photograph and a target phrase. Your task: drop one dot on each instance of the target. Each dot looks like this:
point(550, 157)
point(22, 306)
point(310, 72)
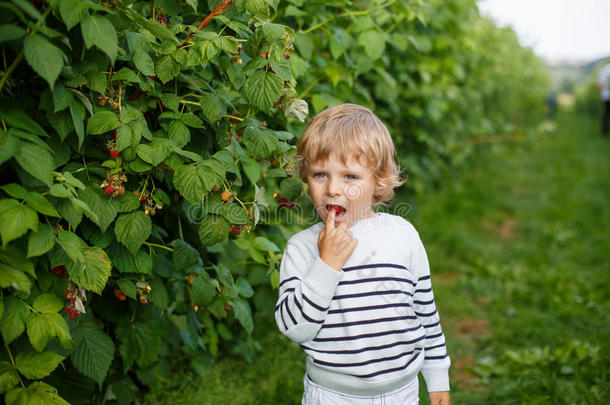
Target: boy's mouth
point(339, 211)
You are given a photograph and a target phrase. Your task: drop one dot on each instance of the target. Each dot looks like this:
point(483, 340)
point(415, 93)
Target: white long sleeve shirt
point(371, 327)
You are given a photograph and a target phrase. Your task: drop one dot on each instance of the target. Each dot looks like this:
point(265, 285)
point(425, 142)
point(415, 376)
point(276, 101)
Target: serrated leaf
point(155, 152)
point(128, 287)
point(193, 182)
point(43, 327)
point(291, 188)
point(10, 32)
point(244, 287)
point(260, 142)
point(158, 294)
point(133, 229)
point(213, 229)
point(10, 277)
point(243, 313)
point(37, 393)
point(235, 214)
point(38, 202)
point(93, 272)
point(125, 262)
point(297, 108)
point(264, 89)
point(264, 244)
point(12, 324)
point(104, 208)
point(213, 107)
point(102, 122)
point(99, 31)
point(184, 255)
point(41, 241)
point(37, 365)
point(72, 244)
point(8, 376)
point(9, 145)
point(94, 351)
point(47, 303)
point(202, 291)
point(144, 62)
point(37, 161)
point(129, 202)
point(179, 133)
point(45, 58)
point(15, 220)
point(281, 68)
point(167, 68)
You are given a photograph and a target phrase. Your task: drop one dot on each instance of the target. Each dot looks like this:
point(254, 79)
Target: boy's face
point(347, 188)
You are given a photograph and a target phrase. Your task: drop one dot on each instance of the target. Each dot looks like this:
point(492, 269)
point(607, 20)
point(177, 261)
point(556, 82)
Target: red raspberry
point(114, 153)
point(58, 270)
point(109, 189)
point(287, 56)
point(235, 230)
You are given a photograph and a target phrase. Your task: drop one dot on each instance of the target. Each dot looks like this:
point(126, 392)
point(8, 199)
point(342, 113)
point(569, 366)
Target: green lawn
point(520, 253)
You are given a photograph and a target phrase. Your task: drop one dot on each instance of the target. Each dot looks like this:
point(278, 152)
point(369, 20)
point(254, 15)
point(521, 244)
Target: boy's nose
point(334, 187)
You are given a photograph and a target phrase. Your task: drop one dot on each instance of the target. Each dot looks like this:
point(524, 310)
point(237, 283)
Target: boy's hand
point(335, 243)
point(439, 398)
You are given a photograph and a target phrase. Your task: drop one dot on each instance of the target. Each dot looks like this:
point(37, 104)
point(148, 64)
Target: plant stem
point(10, 69)
point(158, 246)
point(14, 365)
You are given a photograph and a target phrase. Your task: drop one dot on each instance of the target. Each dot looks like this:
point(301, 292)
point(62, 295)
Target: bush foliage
point(148, 180)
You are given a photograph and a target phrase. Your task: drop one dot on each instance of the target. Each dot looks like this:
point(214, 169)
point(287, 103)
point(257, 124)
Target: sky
point(577, 30)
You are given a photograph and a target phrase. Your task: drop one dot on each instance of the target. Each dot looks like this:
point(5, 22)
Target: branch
point(219, 9)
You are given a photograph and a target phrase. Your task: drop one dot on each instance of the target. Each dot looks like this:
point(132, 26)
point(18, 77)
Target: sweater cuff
point(437, 379)
point(323, 279)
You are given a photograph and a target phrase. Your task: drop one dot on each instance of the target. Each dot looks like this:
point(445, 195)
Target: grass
point(520, 252)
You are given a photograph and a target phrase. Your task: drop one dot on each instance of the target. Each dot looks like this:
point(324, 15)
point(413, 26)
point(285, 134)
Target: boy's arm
point(307, 286)
point(436, 364)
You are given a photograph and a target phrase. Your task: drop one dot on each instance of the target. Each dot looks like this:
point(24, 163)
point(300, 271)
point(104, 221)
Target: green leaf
point(373, 43)
point(202, 291)
point(94, 351)
point(102, 122)
point(13, 321)
point(158, 293)
point(15, 190)
point(252, 169)
point(10, 32)
point(243, 313)
point(264, 89)
point(91, 274)
point(144, 62)
point(291, 188)
point(99, 31)
point(235, 214)
point(16, 258)
point(47, 303)
point(193, 4)
point(72, 11)
point(167, 68)
point(11, 277)
point(38, 202)
point(9, 146)
point(193, 182)
point(104, 208)
point(37, 161)
point(35, 366)
point(191, 120)
point(213, 229)
point(125, 262)
point(213, 107)
point(133, 229)
point(45, 58)
point(184, 255)
point(179, 133)
point(260, 142)
point(37, 393)
point(15, 220)
point(72, 244)
point(46, 326)
point(155, 152)
point(244, 287)
point(262, 243)
point(281, 68)
point(8, 376)
point(129, 202)
point(128, 287)
point(41, 241)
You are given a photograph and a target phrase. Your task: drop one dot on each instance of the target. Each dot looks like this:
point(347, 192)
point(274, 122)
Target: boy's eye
point(351, 177)
point(319, 175)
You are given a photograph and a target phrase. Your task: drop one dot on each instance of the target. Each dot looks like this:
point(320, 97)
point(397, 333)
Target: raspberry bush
point(147, 160)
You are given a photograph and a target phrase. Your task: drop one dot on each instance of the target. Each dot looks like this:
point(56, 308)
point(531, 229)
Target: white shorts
point(315, 394)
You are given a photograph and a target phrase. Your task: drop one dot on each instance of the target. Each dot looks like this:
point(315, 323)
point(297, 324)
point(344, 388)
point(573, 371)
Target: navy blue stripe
point(424, 302)
point(432, 325)
point(425, 314)
point(282, 318)
point(365, 349)
point(307, 318)
point(424, 278)
point(288, 279)
point(369, 308)
point(366, 335)
point(390, 370)
point(313, 304)
point(435, 347)
point(371, 293)
point(435, 357)
point(367, 321)
point(367, 280)
point(277, 307)
point(288, 290)
point(423, 290)
point(374, 266)
point(364, 363)
point(294, 321)
point(435, 336)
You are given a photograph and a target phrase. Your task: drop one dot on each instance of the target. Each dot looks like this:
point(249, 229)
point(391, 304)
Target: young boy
point(355, 290)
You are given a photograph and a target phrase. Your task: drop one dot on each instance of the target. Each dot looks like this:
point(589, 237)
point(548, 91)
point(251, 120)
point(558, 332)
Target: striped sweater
point(370, 328)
